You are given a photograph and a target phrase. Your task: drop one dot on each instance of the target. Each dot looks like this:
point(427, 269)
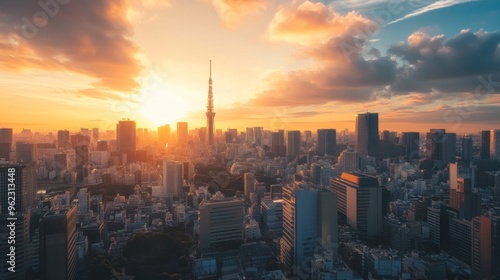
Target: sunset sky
point(278, 64)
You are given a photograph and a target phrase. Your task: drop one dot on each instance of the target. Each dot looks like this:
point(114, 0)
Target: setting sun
point(163, 106)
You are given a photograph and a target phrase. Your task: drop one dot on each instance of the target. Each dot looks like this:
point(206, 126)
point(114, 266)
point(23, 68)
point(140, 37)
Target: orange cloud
point(234, 12)
point(314, 22)
point(87, 37)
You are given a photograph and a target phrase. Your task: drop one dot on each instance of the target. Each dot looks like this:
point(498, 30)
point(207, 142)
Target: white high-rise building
point(172, 181)
point(220, 221)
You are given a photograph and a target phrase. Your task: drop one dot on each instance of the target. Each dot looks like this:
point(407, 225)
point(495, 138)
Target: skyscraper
point(309, 221)
point(466, 149)
point(63, 139)
point(367, 137)
point(257, 131)
point(26, 152)
point(250, 135)
point(327, 142)
point(173, 180)
point(5, 142)
point(182, 133)
point(411, 141)
point(360, 202)
point(164, 135)
point(82, 160)
point(495, 144)
point(220, 222)
point(441, 147)
point(126, 136)
point(59, 244)
point(210, 111)
point(23, 178)
point(278, 147)
point(293, 143)
point(485, 144)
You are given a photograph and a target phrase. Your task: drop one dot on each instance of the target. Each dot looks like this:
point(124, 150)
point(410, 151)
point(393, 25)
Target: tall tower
point(210, 111)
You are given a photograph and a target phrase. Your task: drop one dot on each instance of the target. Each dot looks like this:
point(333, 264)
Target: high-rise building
point(272, 215)
point(495, 144)
point(24, 178)
point(26, 152)
point(126, 136)
point(182, 133)
point(278, 147)
point(18, 182)
point(210, 111)
point(59, 244)
point(367, 137)
point(485, 144)
point(457, 236)
point(6, 141)
point(467, 149)
point(82, 160)
point(411, 141)
point(164, 135)
point(173, 180)
point(293, 143)
point(220, 222)
point(327, 142)
point(360, 202)
point(482, 248)
point(258, 135)
point(441, 147)
point(309, 223)
point(348, 161)
point(63, 139)
point(250, 135)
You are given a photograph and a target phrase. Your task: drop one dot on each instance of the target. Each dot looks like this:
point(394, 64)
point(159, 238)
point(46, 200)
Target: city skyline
point(279, 65)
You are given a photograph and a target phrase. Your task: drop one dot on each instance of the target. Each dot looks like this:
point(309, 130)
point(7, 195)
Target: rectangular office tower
point(293, 143)
point(411, 141)
point(220, 222)
point(58, 240)
point(125, 136)
point(367, 137)
point(360, 202)
point(6, 141)
point(327, 142)
point(173, 180)
point(309, 223)
point(495, 144)
point(441, 147)
point(485, 144)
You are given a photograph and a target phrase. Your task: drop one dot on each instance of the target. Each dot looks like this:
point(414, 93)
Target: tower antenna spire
point(210, 110)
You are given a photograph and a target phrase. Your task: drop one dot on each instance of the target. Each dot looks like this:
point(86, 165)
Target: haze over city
point(306, 64)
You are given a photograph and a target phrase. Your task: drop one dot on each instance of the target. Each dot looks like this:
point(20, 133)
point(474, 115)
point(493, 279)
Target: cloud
point(453, 65)
point(441, 4)
point(335, 43)
point(87, 37)
point(313, 22)
point(234, 12)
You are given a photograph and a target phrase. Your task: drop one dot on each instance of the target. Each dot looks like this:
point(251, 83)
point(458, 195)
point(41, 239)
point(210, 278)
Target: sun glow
point(163, 106)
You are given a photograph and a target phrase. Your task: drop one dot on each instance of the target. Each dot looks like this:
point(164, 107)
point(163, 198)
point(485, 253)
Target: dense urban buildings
point(255, 203)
